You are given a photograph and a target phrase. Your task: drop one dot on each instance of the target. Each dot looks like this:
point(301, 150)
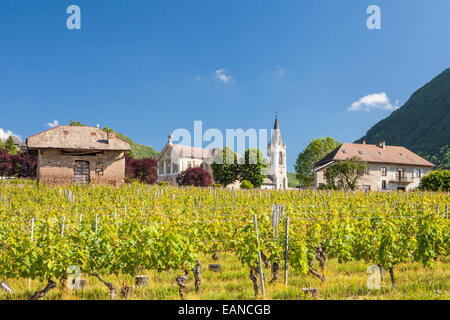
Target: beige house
point(79, 155)
point(389, 167)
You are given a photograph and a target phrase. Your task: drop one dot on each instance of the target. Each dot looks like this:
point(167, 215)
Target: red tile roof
point(375, 154)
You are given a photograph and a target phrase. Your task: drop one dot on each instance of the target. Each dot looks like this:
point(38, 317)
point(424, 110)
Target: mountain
point(422, 124)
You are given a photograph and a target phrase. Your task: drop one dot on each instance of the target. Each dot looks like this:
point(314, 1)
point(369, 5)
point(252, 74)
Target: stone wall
point(55, 168)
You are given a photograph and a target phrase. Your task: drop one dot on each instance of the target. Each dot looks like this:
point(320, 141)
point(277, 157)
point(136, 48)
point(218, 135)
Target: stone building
point(79, 155)
point(389, 167)
point(20, 145)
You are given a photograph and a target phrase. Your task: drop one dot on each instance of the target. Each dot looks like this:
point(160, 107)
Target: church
point(175, 158)
point(276, 151)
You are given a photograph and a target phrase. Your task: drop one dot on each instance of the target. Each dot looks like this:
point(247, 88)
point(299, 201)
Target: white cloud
point(53, 124)
point(4, 134)
point(221, 74)
point(373, 101)
point(280, 72)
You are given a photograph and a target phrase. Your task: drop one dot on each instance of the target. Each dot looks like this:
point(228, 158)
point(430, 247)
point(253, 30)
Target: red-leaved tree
point(5, 163)
point(144, 170)
point(21, 165)
point(197, 177)
point(24, 165)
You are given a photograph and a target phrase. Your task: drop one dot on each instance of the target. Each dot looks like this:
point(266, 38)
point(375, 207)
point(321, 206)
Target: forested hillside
point(422, 124)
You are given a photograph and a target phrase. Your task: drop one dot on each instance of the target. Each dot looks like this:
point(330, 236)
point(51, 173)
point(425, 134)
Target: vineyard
point(141, 238)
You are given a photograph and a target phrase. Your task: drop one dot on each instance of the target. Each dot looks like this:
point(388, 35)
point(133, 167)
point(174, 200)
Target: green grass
point(344, 282)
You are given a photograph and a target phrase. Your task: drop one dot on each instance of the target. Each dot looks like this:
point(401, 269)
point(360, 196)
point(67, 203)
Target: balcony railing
point(402, 178)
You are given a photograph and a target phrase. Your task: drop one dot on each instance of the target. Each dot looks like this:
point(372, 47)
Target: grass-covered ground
point(344, 281)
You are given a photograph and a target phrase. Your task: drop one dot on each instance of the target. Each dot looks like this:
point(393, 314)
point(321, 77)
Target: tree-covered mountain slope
point(422, 124)
point(139, 151)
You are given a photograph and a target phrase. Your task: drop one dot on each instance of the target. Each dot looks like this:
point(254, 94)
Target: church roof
point(194, 152)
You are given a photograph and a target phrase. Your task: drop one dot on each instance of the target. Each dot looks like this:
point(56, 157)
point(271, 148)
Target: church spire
point(276, 126)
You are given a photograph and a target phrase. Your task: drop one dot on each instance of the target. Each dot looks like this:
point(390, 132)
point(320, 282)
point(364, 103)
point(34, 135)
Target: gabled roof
point(190, 152)
point(77, 138)
point(375, 154)
point(194, 152)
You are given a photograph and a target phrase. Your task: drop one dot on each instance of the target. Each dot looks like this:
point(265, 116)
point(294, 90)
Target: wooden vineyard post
point(261, 275)
point(286, 246)
point(446, 211)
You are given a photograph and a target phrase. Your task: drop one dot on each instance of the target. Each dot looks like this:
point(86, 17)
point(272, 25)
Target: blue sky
point(145, 68)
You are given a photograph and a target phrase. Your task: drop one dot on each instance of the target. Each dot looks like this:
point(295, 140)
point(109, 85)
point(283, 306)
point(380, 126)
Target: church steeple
point(276, 150)
point(276, 126)
point(276, 132)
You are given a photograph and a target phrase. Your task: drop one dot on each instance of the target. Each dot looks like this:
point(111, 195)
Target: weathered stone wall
point(55, 168)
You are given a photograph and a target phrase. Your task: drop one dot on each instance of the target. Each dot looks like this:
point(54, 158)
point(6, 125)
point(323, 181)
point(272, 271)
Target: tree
point(76, 123)
point(197, 177)
point(5, 163)
point(345, 174)
point(252, 167)
point(24, 165)
point(225, 167)
point(436, 181)
point(316, 150)
point(10, 146)
point(144, 170)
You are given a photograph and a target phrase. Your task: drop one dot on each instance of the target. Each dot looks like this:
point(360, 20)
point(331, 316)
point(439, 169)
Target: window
point(383, 185)
point(168, 167)
point(161, 168)
point(383, 171)
point(175, 167)
point(366, 188)
point(280, 158)
point(419, 173)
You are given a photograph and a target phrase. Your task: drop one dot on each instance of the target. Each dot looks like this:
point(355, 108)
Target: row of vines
point(128, 230)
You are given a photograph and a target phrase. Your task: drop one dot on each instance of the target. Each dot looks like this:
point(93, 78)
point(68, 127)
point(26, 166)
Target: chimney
point(364, 141)
point(382, 144)
point(109, 135)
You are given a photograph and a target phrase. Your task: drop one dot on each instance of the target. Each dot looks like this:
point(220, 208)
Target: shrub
point(20, 165)
point(144, 170)
point(24, 165)
point(436, 181)
point(217, 185)
point(164, 183)
point(246, 184)
point(197, 177)
point(5, 163)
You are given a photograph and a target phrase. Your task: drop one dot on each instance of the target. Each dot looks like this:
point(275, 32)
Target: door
point(81, 172)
